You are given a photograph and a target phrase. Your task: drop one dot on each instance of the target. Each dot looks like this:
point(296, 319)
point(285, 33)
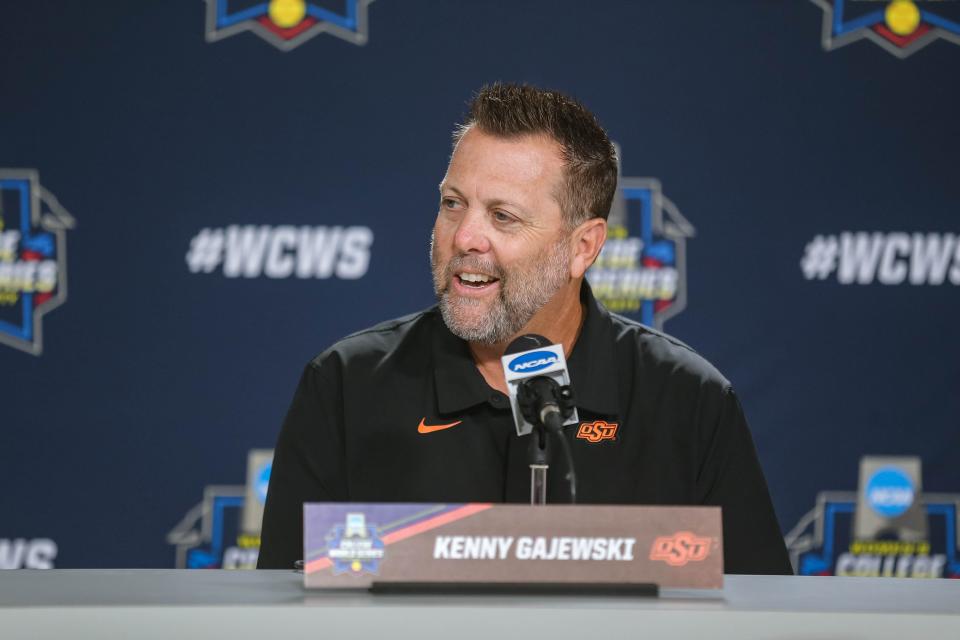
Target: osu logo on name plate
point(680, 548)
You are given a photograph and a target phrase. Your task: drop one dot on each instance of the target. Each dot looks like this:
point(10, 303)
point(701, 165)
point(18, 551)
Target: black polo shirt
point(399, 412)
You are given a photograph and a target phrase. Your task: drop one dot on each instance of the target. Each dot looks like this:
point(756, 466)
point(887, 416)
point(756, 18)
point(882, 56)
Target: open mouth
point(475, 281)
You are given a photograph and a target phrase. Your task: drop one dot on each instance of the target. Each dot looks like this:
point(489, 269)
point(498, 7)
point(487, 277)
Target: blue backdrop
point(229, 189)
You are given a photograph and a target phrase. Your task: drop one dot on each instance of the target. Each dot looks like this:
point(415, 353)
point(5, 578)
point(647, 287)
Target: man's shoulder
point(662, 353)
point(382, 339)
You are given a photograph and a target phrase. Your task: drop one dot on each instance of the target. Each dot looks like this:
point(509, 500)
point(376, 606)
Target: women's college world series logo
point(286, 24)
point(642, 268)
point(355, 546)
point(33, 258)
point(902, 27)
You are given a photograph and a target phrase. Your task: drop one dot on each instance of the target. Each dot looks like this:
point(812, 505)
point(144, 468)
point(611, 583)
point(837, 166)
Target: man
point(415, 409)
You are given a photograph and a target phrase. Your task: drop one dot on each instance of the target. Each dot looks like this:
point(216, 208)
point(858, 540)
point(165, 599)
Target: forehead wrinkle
point(524, 152)
point(521, 171)
point(506, 195)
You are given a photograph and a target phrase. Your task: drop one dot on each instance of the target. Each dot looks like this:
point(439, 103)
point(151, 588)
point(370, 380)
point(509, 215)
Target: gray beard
point(521, 294)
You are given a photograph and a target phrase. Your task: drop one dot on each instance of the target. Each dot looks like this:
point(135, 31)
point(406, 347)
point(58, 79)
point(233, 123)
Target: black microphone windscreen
point(527, 342)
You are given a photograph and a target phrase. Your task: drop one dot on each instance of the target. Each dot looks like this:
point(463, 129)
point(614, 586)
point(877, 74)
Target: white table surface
point(132, 603)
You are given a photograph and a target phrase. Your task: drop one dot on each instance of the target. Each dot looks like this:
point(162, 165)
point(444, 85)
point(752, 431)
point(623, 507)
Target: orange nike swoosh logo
point(430, 428)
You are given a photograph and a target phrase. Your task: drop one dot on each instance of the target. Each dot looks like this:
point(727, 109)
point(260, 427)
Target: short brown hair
point(510, 110)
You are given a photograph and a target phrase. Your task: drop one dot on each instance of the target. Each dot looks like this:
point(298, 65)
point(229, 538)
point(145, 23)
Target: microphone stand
point(538, 454)
point(545, 404)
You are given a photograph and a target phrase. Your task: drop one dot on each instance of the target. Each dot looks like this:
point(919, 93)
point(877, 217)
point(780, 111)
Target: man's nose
point(472, 235)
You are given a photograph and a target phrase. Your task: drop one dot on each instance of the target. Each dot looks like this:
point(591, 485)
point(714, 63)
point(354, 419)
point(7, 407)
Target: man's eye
point(500, 216)
point(449, 203)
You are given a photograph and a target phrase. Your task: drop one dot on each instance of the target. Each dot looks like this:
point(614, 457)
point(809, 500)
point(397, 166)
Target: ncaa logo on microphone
point(533, 361)
point(286, 24)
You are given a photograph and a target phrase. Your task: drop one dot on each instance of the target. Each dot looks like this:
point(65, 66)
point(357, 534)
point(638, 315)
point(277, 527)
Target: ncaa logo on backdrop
point(902, 27)
point(262, 481)
point(642, 267)
point(286, 24)
point(223, 530)
point(33, 258)
point(890, 492)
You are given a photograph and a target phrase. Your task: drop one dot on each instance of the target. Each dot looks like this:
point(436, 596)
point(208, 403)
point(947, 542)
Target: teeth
point(475, 277)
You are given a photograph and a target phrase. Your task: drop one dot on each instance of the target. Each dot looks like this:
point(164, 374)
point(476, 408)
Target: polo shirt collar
point(592, 366)
point(593, 373)
point(458, 382)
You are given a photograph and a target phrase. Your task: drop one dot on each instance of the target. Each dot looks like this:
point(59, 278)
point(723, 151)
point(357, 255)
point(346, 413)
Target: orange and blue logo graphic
point(33, 278)
point(286, 24)
point(680, 548)
point(597, 431)
point(902, 27)
point(642, 267)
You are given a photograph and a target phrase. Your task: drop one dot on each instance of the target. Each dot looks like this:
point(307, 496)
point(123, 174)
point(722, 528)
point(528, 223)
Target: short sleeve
point(308, 463)
point(730, 476)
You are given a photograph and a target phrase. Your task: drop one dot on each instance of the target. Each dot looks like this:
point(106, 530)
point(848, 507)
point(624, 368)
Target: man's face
point(499, 249)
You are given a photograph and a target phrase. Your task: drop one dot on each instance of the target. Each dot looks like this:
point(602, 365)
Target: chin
point(471, 322)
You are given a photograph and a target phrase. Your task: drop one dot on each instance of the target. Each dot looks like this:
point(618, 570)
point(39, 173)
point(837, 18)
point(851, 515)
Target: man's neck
point(560, 321)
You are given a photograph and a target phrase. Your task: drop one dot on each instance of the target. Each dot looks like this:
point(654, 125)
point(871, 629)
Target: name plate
point(356, 544)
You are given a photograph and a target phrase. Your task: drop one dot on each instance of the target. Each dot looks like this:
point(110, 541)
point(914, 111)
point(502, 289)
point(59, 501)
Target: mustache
point(473, 263)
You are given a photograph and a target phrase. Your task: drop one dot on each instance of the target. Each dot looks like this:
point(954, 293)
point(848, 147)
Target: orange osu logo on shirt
point(597, 431)
point(680, 548)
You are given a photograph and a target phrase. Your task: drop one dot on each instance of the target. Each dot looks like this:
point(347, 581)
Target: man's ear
point(586, 242)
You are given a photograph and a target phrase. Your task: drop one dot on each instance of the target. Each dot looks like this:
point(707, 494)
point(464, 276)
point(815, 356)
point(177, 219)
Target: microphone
point(541, 400)
point(546, 399)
